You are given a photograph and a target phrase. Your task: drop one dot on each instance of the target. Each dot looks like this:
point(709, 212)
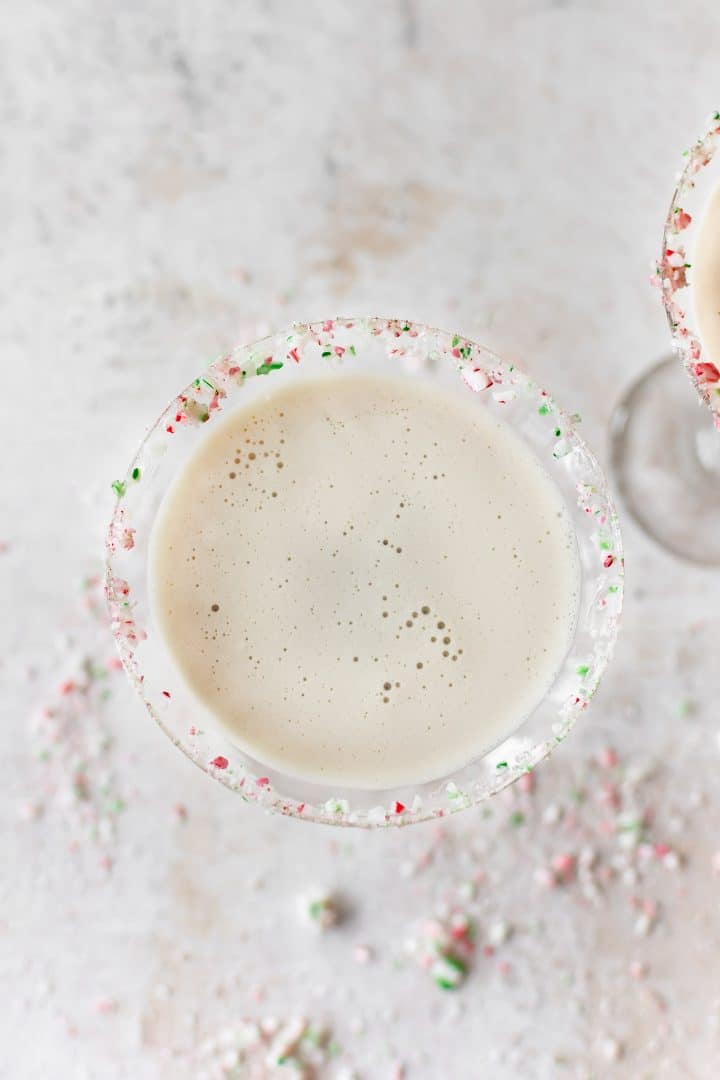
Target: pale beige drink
point(705, 279)
point(368, 581)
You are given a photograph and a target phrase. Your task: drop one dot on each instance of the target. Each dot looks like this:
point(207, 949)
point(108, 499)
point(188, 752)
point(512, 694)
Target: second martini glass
point(666, 450)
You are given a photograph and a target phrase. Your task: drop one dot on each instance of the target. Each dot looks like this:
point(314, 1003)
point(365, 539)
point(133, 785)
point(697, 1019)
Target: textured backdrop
point(176, 178)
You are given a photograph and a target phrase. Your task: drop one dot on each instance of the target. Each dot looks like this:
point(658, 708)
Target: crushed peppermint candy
point(268, 1049)
point(75, 777)
point(444, 946)
point(321, 909)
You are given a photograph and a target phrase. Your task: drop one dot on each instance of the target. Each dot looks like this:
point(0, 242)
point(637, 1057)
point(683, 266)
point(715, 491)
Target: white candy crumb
point(499, 932)
point(610, 1049)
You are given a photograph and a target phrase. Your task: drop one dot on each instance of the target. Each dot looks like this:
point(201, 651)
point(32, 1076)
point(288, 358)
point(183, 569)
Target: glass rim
point(256, 788)
point(671, 276)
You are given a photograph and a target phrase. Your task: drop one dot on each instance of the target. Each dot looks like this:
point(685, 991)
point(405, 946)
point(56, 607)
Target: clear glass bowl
point(337, 347)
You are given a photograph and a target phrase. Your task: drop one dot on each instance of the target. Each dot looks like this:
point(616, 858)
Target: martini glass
point(665, 449)
point(336, 348)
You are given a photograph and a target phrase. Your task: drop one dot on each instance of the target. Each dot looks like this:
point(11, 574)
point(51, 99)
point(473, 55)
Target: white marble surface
point(175, 177)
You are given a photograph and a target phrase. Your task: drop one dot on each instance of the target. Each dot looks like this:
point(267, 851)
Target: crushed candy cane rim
point(673, 272)
point(377, 345)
